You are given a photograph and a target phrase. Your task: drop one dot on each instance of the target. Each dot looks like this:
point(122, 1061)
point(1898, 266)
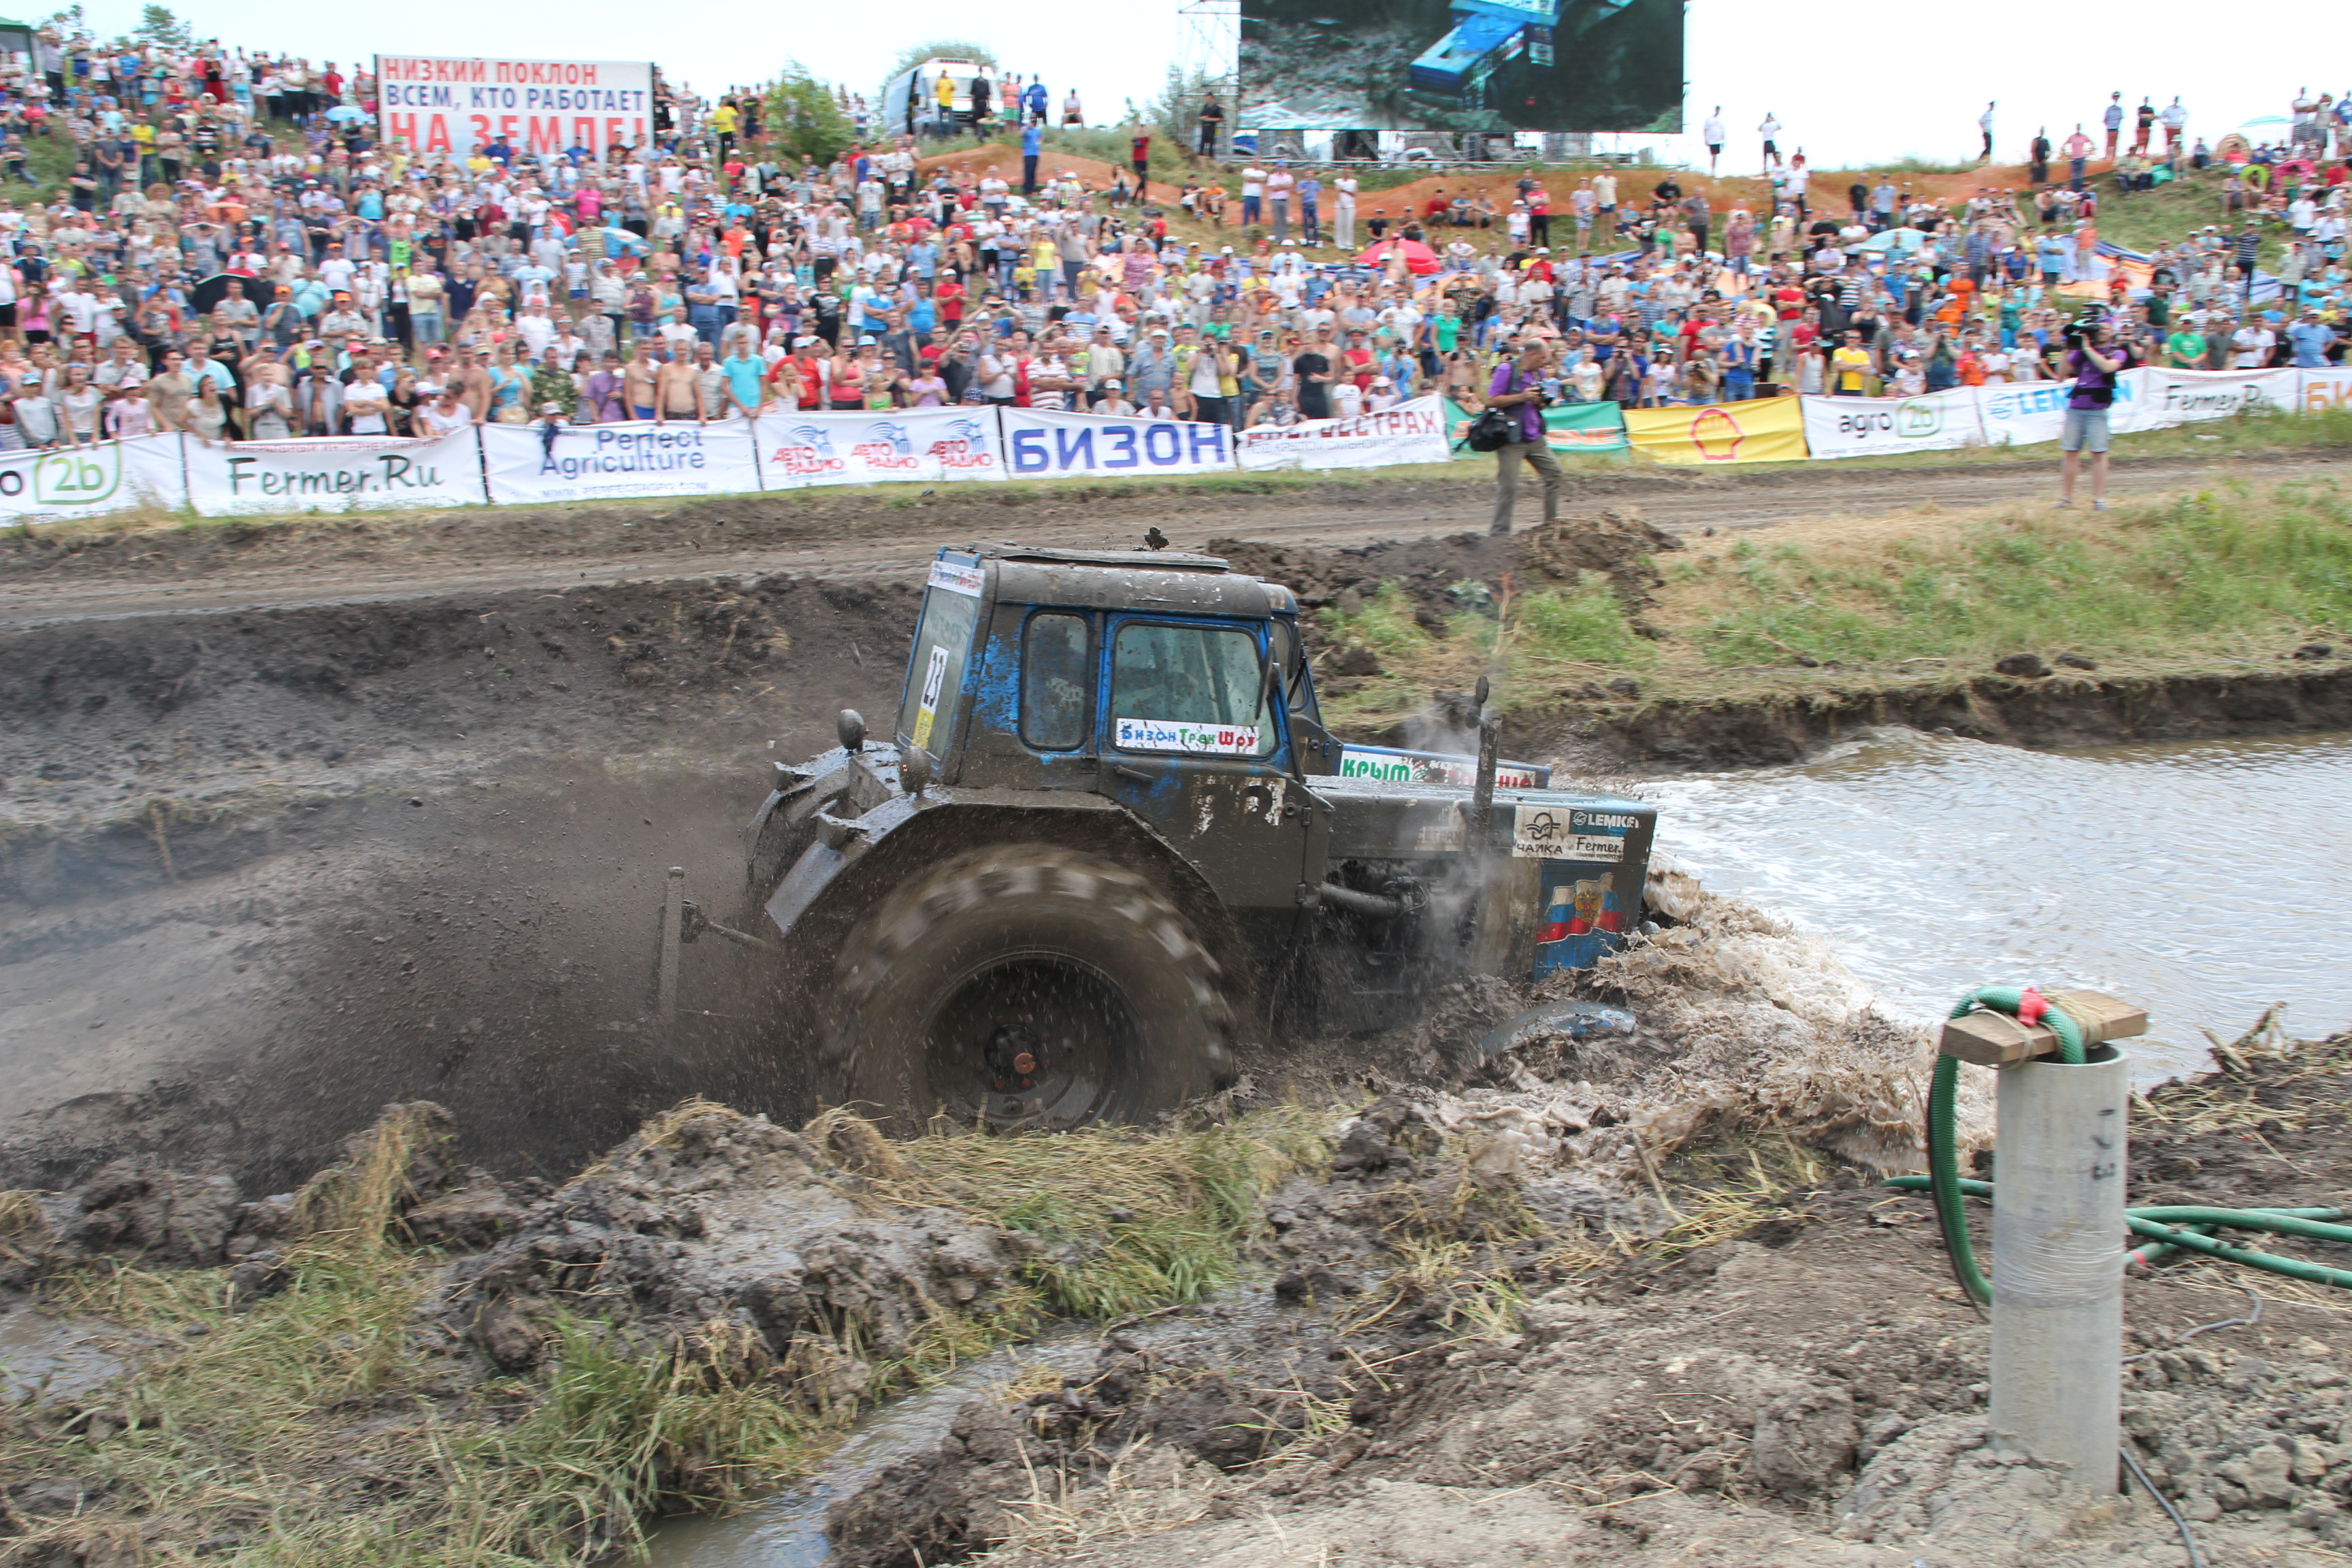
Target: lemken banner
point(455, 104)
point(585, 462)
point(349, 473)
point(1041, 444)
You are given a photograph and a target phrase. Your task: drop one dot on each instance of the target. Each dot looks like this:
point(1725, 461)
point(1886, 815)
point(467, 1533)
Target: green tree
point(157, 24)
point(805, 119)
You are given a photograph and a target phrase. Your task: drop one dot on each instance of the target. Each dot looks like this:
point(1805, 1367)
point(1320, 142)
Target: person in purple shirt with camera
point(1519, 384)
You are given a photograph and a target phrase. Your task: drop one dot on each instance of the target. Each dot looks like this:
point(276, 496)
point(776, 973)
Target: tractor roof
point(1143, 560)
point(1168, 581)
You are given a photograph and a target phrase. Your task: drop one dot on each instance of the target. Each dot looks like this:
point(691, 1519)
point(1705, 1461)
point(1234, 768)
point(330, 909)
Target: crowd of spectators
point(232, 253)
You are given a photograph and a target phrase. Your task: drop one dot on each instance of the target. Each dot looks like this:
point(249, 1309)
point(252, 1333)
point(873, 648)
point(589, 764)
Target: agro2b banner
point(1889, 426)
point(90, 481)
point(798, 449)
point(454, 104)
point(588, 462)
point(1041, 444)
point(1412, 431)
point(347, 473)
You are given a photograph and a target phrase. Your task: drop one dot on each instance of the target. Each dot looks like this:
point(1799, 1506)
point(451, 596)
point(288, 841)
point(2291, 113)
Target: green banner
point(1569, 427)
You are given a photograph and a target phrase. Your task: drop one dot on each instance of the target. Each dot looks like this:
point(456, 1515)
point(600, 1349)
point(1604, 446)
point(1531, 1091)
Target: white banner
point(1042, 443)
point(2163, 398)
point(339, 473)
point(1889, 426)
point(88, 481)
point(587, 462)
point(1412, 431)
point(2022, 413)
point(2317, 391)
point(441, 104)
point(890, 445)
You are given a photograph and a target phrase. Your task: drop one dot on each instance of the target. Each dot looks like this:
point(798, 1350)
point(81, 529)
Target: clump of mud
point(710, 1215)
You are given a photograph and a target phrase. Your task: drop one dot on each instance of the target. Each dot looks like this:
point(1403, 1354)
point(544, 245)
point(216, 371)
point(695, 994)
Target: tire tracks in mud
point(379, 560)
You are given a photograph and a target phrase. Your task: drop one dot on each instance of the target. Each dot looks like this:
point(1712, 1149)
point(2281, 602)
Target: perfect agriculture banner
point(1412, 431)
point(930, 445)
point(1890, 426)
point(588, 462)
point(1765, 430)
point(1041, 445)
point(348, 473)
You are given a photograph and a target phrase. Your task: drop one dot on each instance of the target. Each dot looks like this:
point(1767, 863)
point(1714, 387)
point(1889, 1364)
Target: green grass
point(2215, 572)
point(2225, 578)
point(1530, 647)
point(333, 1424)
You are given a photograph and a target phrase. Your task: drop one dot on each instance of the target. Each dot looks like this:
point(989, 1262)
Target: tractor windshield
point(926, 714)
point(1189, 688)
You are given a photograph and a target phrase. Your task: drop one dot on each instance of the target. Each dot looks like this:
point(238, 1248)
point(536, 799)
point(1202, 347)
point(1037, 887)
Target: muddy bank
point(1783, 1375)
point(1621, 1295)
point(2061, 709)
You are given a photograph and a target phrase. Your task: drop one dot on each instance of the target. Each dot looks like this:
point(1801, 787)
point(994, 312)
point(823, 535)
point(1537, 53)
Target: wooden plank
point(1996, 1039)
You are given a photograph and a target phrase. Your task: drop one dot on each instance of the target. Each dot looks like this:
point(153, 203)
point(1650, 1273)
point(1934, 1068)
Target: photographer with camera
point(1514, 420)
point(2095, 358)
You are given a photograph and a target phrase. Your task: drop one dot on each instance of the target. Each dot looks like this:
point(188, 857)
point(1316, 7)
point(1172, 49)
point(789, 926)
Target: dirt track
point(295, 820)
point(501, 550)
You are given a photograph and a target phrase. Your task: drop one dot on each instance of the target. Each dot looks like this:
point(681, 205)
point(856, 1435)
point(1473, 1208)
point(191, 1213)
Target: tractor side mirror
point(851, 728)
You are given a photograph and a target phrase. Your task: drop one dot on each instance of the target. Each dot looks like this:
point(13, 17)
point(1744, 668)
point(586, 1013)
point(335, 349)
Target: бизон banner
point(1412, 431)
point(1041, 444)
point(1889, 426)
point(348, 473)
point(584, 462)
point(925, 444)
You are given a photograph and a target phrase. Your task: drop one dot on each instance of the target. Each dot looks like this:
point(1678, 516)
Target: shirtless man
point(640, 376)
point(679, 389)
point(473, 384)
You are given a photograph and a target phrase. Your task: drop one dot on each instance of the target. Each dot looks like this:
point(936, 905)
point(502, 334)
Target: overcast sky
point(1911, 82)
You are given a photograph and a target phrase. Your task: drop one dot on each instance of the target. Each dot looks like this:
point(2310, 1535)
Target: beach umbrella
point(1419, 260)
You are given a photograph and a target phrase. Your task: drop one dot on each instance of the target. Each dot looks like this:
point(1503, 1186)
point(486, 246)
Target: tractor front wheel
point(1025, 986)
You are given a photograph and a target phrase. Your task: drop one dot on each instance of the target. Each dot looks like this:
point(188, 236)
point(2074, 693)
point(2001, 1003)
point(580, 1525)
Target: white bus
point(910, 100)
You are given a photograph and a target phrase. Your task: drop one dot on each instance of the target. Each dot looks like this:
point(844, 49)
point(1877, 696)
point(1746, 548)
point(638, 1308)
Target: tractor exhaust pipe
point(1482, 794)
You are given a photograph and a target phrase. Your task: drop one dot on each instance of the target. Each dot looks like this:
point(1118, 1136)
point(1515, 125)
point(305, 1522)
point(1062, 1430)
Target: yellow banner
point(1766, 430)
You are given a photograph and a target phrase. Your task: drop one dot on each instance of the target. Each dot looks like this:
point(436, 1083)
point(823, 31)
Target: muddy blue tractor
point(1110, 833)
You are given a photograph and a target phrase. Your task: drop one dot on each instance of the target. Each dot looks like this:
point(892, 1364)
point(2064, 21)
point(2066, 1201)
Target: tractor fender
point(850, 864)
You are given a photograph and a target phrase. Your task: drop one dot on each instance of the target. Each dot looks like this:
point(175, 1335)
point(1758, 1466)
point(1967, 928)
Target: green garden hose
point(2170, 1228)
point(1943, 1131)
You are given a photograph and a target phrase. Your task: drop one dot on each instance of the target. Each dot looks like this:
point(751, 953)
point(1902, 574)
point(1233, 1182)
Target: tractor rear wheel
point(1026, 986)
